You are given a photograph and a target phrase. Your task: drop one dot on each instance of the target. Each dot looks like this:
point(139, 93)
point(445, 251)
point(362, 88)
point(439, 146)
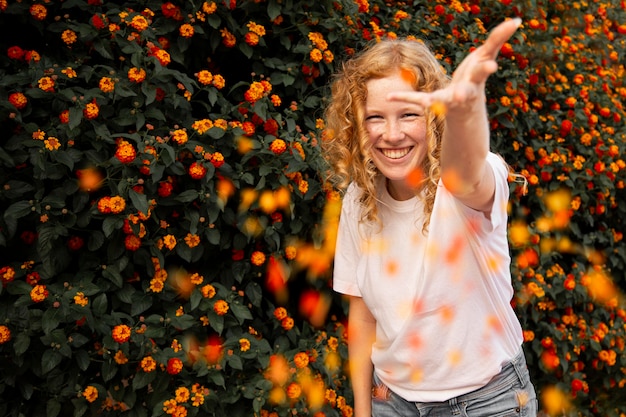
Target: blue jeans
point(510, 393)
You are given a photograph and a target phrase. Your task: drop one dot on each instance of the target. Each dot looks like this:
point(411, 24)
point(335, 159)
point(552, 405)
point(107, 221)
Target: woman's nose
point(393, 131)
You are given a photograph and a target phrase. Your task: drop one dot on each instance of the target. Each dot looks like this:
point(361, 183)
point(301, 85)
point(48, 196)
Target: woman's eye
point(372, 117)
point(412, 115)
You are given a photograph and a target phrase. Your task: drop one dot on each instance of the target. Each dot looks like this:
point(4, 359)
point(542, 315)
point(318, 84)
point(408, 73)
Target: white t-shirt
point(444, 322)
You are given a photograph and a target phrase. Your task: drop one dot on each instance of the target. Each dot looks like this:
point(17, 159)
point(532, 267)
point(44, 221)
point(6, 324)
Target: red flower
point(98, 22)
point(64, 117)
point(132, 242)
point(165, 189)
point(75, 243)
point(174, 366)
point(15, 52)
point(18, 100)
point(197, 171)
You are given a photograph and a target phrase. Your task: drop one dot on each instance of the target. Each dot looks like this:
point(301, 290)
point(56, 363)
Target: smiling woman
point(425, 260)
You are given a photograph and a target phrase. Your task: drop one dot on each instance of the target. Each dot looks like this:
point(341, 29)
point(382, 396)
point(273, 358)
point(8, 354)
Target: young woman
point(422, 250)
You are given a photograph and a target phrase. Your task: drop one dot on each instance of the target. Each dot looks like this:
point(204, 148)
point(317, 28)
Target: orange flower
point(186, 30)
point(220, 307)
point(69, 36)
point(125, 152)
point(208, 291)
point(257, 258)
point(278, 146)
point(169, 241)
point(148, 364)
point(90, 393)
point(136, 75)
point(46, 84)
point(120, 358)
point(287, 323)
point(139, 23)
point(91, 110)
point(204, 77)
point(121, 333)
point(197, 171)
point(301, 360)
point(280, 313)
point(106, 85)
point(217, 159)
point(5, 334)
point(192, 240)
point(294, 390)
point(39, 293)
point(228, 39)
point(38, 11)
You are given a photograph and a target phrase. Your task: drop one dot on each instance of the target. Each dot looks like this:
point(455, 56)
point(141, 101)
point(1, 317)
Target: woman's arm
point(465, 145)
point(361, 334)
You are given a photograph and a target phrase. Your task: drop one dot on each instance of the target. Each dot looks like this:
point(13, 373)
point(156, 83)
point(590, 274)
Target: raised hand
point(468, 80)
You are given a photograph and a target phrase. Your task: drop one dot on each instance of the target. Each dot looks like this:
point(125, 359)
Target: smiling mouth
point(396, 153)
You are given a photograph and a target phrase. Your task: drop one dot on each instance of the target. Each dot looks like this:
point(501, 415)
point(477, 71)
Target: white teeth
point(395, 153)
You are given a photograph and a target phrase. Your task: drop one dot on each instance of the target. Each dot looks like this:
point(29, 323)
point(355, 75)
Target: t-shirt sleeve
point(498, 216)
point(347, 249)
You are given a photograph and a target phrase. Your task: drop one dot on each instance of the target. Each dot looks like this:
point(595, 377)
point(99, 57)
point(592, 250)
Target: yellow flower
point(80, 299)
point(244, 344)
point(328, 56)
point(202, 126)
point(301, 360)
point(139, 23)
point(180, 136)
point(39, 293)
point(169, 241)
point(52, 143)
point(182, 394)
point(46, 84)
point(69, 72)
point(290, 252)
point(317, 39)
point(255, 28)
point(90, 393)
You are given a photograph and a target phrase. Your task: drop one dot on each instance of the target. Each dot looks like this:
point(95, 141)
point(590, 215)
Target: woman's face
point(397, 133)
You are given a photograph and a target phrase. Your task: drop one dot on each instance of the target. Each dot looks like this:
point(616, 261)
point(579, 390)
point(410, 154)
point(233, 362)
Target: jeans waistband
point(513, 371)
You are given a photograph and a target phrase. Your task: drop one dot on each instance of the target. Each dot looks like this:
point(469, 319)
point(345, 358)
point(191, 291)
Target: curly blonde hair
point(346, 147)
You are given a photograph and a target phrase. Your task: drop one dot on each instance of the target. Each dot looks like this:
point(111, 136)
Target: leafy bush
point(167, 231)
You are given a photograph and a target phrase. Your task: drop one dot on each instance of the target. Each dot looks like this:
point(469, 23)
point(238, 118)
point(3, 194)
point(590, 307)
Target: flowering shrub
point(167, 232)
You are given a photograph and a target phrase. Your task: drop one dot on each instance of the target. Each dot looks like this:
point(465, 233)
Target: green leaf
point(51, 319)
point(53, 408)
point(81, 357)
point(109, 369)
point(241, 312)
point(139, 201)
point(50, 359)
point(21, 343)
point(99, 305)
point(110, 224)
point(141, 302)
point(142, 379)
point(254, 293)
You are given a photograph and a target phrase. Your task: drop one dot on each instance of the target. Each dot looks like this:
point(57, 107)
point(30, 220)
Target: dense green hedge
point(167, 234)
